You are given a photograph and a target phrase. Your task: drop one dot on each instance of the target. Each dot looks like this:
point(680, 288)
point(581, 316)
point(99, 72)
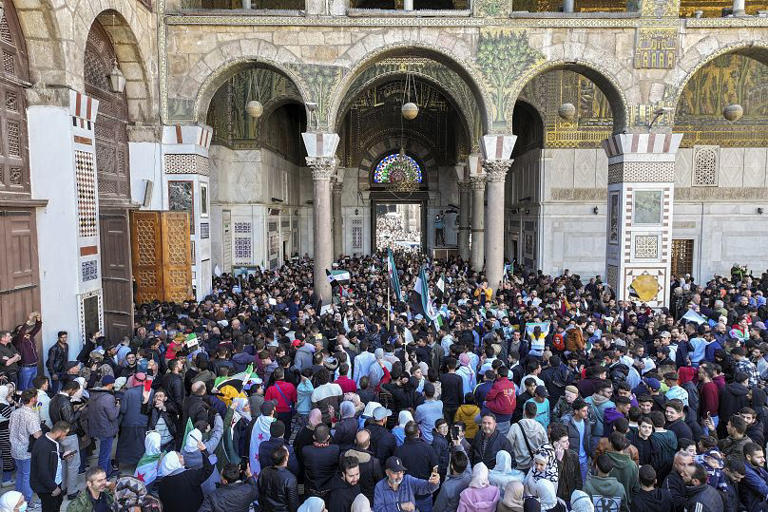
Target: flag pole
point(389, 306)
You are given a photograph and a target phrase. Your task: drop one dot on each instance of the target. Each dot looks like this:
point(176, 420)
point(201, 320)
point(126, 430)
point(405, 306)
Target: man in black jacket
point(173, 384)
point(321, 462)
point(278, 490)
point(383, 442)
point(701, 497)
point(452, 392)
point(235, 494)
point(370, 466)
point(345, 488)
point(60, 409)
point(648, 498)
point(675, 483)
point(58, 355)
point(45, 477)
point(420, 458)
point(488, 441)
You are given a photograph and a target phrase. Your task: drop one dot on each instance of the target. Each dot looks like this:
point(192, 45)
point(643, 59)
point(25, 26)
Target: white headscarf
point(361, 504)
point(369, 408)
point(479, 476)
point(10, 499)
point(152, 442)
point(194, 436)
point(170, 463)
point(4, 390)
point(313, 504)
point(239, 404)
point(546, 493)
point(403, 418)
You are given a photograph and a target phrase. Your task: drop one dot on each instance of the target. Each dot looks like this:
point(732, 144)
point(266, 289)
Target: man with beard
point(369, 466)
point(345, 488)
point(398, 491)
point(702, 497)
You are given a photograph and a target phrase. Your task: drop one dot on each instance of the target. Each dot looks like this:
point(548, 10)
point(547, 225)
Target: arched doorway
point(113, 183)
point(19, 276)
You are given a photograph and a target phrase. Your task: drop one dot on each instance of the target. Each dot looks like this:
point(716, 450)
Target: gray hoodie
point(536, 436)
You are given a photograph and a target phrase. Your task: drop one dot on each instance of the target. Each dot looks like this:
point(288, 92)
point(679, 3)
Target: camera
point(455, 433)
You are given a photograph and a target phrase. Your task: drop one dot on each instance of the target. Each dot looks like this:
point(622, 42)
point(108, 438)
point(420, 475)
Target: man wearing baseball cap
point(383, 442)
point(397, 492)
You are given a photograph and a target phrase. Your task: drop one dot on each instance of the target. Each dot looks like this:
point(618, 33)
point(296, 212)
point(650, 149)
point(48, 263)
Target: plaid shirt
point(748, 367)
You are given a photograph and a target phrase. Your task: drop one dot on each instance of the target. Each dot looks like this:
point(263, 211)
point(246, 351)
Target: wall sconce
point(595, 210)
point(759, 211)
point(116, 78)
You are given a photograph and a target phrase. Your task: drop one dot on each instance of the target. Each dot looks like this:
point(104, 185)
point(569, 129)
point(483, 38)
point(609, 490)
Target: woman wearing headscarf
point(149, 465)
point(367, 413)
point(480, 496)
point(502, 473)
point(545, 491)
point(513, 497)
point(133, 422)
point(12, 501)
point(180, 489)
point(346, 428)
point(399, 431)
point(193, 454)
point(236, 423)
point(313, 504)
point(305, 437)
point(6, 408)
point(466, 373)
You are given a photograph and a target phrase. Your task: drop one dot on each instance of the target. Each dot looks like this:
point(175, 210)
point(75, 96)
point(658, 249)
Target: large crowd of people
point(544, 394)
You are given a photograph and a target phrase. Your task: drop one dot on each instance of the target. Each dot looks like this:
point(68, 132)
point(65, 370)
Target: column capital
point(497, 146)
point(320, 144)
point(465, 186)
point(496, 170)
point(654, 146)
point(323, 168)
point(477, 182)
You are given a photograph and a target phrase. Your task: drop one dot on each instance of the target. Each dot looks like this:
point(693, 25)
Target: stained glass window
point(396, 168)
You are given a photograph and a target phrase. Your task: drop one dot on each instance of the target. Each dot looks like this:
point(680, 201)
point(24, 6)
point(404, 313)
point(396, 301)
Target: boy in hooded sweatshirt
point(648, 498)
point(605, 491)
point(624, 468)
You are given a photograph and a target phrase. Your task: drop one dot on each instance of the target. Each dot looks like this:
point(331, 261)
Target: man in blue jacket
point(753, 489)
point(397, 492)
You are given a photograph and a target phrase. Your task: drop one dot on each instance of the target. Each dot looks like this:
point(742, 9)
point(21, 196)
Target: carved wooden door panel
point(147, 255)
point(177, 267)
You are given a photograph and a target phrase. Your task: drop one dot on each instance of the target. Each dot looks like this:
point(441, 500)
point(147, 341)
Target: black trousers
point(51, 503)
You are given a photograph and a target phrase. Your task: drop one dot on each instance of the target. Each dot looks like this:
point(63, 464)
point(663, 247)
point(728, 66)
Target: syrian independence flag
point(393, 277)
point(440, 285)
point(421, 300)
point(340, 277)
point(147, 468)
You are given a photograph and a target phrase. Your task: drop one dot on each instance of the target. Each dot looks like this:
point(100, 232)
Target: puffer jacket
point(103, 412)
point(234, 497)
point(278, 490)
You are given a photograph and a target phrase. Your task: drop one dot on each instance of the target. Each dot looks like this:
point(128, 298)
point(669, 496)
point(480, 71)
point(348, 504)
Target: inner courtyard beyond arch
point(150, 145)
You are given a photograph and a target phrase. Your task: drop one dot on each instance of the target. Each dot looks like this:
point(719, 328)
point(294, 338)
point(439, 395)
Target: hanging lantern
point(116, 78)
point(254, 109)
point(567, 111)
point(733, 112)
point(410, 110)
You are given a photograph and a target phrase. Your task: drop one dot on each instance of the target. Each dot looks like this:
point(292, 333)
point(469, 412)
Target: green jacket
point(83, 502)
point(605, 491)
point(626, 472)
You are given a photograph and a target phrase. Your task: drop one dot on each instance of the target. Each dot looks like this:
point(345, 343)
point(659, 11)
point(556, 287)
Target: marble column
point(641, 191)
point(322, 170)
point(465, 200)
point(495, 175)
point(338, 187)
point(478, 217)
point(321, 158)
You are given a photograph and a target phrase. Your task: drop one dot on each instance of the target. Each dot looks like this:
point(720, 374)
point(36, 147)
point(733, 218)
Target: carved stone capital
point(465, 186)
point(496, 170)
point(477, 182)
point(323, 168)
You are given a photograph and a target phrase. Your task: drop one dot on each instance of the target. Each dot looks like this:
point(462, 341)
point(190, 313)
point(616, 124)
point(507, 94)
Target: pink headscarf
point(315, 418)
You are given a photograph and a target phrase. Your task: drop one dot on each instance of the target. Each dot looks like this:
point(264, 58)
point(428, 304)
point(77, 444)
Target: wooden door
point(116, 273)
point(147, 255)
point(682, 257)
point(177, 266)
point(19, 279)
